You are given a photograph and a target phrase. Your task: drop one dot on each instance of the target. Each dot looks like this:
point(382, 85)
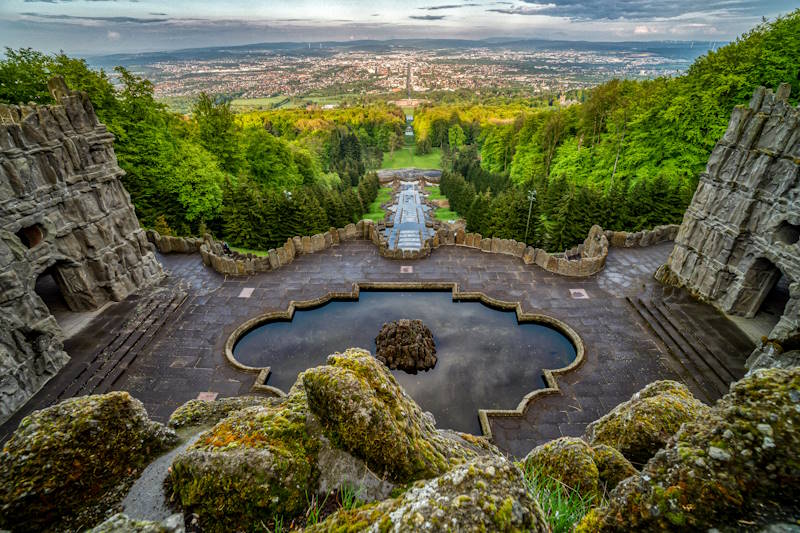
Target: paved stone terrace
point(186, 357)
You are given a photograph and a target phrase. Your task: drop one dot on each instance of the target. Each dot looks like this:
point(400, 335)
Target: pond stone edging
point(550, 375)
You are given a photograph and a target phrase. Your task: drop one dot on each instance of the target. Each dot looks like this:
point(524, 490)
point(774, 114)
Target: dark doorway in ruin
point(765, 289)
point(48, 289)
point(31, 236)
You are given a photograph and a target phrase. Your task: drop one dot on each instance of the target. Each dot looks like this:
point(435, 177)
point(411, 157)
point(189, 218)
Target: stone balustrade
point(584, 260)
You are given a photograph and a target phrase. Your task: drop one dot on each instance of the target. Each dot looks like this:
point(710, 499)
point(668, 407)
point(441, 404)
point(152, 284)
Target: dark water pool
point(486, 359)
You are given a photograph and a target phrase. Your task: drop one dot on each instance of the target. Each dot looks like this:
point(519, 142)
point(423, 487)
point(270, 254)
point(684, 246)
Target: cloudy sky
point(108, 26)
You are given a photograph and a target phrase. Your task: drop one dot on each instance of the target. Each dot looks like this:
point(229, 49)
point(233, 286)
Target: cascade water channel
point(410, 216)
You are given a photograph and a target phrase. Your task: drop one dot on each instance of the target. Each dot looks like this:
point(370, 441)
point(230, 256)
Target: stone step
point(723, 339)
point(707, 370)
point(103, 381)
point(678, 360)
point(134, 334)
point(717, 362)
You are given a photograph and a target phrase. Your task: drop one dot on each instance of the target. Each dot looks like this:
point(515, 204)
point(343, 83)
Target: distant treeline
point(253, 179)
point(627, 158)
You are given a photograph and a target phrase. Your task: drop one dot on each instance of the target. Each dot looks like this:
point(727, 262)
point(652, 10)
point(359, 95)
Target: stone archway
point(759, 280)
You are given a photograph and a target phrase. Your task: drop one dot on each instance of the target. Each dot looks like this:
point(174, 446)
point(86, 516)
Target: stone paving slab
point(622, 356)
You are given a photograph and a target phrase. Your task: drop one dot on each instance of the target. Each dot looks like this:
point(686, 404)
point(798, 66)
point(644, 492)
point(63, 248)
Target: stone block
point(317, 243)
point(529, 256)
point(306, 240)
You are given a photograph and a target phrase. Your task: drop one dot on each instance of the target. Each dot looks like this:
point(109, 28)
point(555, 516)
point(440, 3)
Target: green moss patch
point(64, 460)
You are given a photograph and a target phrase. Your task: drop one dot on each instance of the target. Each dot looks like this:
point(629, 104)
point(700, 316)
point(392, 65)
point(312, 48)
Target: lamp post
point(531, 199)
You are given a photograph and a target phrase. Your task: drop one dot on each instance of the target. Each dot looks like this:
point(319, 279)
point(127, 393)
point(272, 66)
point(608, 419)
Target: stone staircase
point(97, 374)
point(707, 365)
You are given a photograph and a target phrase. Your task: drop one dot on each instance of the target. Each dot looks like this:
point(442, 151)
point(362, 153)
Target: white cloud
point(113, 35)
point(641, 30)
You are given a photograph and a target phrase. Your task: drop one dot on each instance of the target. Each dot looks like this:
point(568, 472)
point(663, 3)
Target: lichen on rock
point(571, 461)
point(485, 494)
point(349, 417)
point(65, 459)
point(641, 426)
point(612, 466)
point(201, 412)
point(365, 411)
point(254, 465)
point(743, 453)
point(121, 523)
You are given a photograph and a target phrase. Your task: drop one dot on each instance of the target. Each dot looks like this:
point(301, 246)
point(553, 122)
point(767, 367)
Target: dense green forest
point(252, 180)
point(627, 158)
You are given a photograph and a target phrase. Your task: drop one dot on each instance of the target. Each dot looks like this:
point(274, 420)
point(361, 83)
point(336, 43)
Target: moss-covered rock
point(486, 494)
point(577, 465)
point(569, 460)
point(349, 417)
point(612, 466)
point(203, 413)
point(641, 426)
point(366, 412)
point(63, 460)
point(256, 464)
point(120, 523)
point(743, 453)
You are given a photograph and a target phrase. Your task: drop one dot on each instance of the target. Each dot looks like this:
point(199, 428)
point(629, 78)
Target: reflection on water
point(486, 358)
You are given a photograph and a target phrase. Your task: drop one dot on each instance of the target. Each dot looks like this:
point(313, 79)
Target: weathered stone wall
point(583, 260)
point(742, 227)
point(63, 210)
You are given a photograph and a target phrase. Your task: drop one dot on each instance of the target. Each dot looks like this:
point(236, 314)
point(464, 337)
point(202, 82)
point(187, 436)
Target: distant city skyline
point(111, 26)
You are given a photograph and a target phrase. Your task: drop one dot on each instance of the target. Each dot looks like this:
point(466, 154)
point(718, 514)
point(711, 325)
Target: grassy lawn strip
point(445, 214)
point(260, 253)
point(442, 213)
point(405, 157)
point(374, 211)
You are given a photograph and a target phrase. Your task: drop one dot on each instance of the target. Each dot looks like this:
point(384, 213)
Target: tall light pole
point(531, 199)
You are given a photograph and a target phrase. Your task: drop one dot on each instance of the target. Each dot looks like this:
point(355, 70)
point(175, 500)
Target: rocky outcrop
point(64, 462)
point(407, 345)
point(742, 228)
point(345, 423)
point(590, 471)
point(204, 413)
point(63, 211)
point(738, 459)
point(486, 494)
point(641, 426)
point(120, 523)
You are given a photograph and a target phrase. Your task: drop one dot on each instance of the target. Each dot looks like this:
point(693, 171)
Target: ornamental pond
point(487, 359)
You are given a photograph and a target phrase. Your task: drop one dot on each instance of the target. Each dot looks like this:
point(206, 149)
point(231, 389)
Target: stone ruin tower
point(742, 228)
point(63, 211)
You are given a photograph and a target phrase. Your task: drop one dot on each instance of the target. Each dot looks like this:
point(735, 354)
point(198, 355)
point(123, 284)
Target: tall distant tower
point(408, 81)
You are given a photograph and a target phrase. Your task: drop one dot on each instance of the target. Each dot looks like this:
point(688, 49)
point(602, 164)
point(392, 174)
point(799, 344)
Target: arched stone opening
point(788, 233)
point(31, 236)
point(59, 287)
point(764, 288)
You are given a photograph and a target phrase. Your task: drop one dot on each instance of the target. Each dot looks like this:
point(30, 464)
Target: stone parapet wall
point(167, 244)
point(639, 239)
point(63, 211)
point(741, 231)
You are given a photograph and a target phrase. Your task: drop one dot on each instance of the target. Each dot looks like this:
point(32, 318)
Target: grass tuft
point(563, 506)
